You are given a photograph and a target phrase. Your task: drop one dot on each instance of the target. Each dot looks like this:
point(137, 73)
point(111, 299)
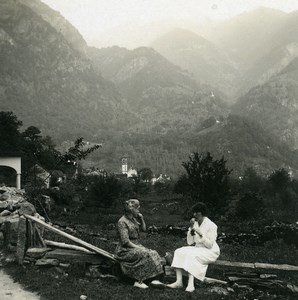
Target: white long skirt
point(194, 260)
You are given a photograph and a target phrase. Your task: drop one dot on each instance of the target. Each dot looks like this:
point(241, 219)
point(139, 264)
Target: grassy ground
point(53, 284)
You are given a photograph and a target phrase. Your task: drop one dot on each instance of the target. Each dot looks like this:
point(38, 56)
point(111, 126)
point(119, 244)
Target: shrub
point(103, 191)
point(249, 206)
point(64, 194)
point(206, 180)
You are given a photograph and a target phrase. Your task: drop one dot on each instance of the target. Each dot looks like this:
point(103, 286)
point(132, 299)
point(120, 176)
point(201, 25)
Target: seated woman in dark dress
point(136, 261)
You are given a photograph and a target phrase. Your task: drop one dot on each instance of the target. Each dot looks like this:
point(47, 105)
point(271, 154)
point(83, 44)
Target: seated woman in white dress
point(202, 249)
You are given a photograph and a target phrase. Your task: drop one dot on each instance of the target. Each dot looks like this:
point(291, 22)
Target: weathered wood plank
point(66, 246)
point(41, 240)
point(234, 264)
point(213, 280)
point(72, 238)
point(283, 267)
point(71, 256)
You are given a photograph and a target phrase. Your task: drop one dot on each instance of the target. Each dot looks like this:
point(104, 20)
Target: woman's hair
point(131, 203)
point(200, 207)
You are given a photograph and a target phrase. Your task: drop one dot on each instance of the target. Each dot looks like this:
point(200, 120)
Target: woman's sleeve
point(190, 238)
point(123, 232)
point(210, 237)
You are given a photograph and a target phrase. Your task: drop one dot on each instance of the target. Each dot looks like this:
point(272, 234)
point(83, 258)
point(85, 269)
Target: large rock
point(22, 240)
point(3, 204)
point(3, 219)
point(5, 213)
point(26, 208)
point(47, 262)
point(10, 231)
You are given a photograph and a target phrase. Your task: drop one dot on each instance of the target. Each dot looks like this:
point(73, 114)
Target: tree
point(207, 180)
point(251, 181)
point(9, 132)
point(104, 191)
point(279, 180)
point(32, 133)
point(146, 174)
point(249, 206)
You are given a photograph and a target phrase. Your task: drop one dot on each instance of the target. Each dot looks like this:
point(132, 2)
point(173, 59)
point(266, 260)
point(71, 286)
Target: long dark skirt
point(139, 264)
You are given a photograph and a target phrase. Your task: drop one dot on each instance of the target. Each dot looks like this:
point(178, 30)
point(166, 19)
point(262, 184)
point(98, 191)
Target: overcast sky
point(127, 22)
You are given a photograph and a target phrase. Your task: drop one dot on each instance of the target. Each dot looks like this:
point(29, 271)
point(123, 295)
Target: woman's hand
point(140, 216)
point(192, 222)
point(143, 224)
point(198, 232)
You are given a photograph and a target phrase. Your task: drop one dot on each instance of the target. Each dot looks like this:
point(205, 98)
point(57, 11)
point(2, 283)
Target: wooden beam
point(67, 246)
point(213, 280)
point(234, 264)
point(39, 236)
point(72, 238)
point(283, 267)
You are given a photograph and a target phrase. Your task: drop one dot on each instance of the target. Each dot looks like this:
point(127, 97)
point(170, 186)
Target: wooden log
point(283, 267)
point(72, 238)
point(70, 256)
point(40, 237)
point(234, 264)
point(31, 236)
point(213, 280)
point(67, 246)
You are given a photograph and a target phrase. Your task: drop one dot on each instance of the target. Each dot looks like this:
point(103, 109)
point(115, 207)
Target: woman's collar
point(132, 219)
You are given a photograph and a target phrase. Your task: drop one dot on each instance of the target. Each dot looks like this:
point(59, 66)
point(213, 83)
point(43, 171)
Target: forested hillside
point(274, 105)
point(47, 82)
point(209, 64)
point(135, 102)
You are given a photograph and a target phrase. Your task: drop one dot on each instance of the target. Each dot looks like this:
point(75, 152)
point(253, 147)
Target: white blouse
point(209, 235)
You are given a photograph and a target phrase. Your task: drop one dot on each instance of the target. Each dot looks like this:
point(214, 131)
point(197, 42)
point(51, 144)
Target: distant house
point(132, 172)
point(96, 172)
point(162, 178)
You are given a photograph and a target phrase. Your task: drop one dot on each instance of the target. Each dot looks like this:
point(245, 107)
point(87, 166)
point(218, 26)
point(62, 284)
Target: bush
point(249, 206)
point(103, 191)
point(64, 194)
point(206, 180)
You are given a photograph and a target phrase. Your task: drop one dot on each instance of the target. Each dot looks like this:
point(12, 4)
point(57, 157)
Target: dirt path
point(10, 290)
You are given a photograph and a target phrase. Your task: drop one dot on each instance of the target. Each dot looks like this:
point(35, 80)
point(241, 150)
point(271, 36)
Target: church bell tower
point(124, 165)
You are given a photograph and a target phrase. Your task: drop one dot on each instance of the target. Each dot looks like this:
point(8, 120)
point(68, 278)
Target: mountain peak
point(180, 37)
point(56, 20)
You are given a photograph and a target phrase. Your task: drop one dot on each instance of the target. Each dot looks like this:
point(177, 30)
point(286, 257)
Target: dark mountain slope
point(48, 83)
point(274, 105)
point(56, 20)
point(161, 93)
